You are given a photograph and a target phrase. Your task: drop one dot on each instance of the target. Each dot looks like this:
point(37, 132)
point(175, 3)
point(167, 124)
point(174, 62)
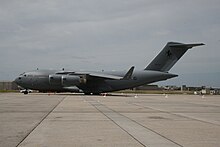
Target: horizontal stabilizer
point(186, 45)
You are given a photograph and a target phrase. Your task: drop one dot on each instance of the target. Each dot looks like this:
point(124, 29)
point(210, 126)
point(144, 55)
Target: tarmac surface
point(67, 120)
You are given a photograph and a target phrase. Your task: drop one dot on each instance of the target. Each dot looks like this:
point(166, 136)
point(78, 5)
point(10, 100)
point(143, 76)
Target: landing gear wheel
point(26, 92)
point(96, 93)
point(87, 93)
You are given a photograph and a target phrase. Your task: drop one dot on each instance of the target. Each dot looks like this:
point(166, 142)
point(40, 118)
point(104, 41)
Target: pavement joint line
point(146, 127)
point(209, 105)
point(152, 131)
point(179, 115)
point(40, 121)
point(176, 112)
point(203, 121)
point(185, 131)
point(90, 102)
point(100, 104)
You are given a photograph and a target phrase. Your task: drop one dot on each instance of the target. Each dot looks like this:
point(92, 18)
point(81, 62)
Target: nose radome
point(17, 80)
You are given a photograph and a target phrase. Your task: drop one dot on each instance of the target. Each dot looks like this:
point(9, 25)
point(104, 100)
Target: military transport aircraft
point(101, 82)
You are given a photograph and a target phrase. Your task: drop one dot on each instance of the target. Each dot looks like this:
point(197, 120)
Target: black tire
point(96, 94)
point(25, 92)
point(87, 93)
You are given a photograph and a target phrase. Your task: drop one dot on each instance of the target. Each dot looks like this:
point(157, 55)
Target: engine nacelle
point(55, 79)
point(66, 80)
point(69, 80)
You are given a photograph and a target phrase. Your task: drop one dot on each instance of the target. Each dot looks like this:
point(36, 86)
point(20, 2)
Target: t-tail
point(170, 54)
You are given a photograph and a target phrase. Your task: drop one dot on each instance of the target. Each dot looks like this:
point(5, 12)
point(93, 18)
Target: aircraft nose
point(17, 80)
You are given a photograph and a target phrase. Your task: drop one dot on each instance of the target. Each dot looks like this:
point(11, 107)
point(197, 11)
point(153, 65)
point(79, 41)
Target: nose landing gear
point(26, 91)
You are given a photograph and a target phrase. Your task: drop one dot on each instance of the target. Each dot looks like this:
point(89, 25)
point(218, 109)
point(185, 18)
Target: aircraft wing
point(105, 76)
point(100, 75)
point(92, 74)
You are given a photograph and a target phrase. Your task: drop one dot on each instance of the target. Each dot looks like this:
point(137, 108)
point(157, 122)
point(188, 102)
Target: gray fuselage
point(40, 80)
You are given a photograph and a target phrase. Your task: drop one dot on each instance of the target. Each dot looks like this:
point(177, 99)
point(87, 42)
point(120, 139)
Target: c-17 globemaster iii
point(101, 82)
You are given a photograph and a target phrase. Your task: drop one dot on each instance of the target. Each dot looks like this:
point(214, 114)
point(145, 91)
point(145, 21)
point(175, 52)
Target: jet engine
point(55, 79)
point(69, 80)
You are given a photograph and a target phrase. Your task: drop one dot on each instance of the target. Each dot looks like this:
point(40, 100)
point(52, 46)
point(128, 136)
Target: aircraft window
point(19, 78)
point(64, 78)
point(25, 75)
point(51, 77)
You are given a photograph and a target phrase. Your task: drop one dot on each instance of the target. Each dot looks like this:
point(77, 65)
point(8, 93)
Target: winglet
point(128, 74)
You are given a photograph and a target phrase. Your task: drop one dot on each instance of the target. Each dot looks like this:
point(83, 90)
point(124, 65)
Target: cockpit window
point(22, 74)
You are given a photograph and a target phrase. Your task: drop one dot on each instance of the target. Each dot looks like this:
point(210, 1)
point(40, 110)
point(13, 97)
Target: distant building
point(148, 87)
point(183, 88)
point(171, 87)
point(7, 85)
point(214, 91)
point(205, 90)
point(201, 90)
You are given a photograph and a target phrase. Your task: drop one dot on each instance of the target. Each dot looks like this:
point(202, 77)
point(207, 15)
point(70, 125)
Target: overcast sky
point(109, 35)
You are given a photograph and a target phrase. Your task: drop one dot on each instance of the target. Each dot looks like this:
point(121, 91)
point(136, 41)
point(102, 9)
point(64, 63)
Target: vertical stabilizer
point(170, 54)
